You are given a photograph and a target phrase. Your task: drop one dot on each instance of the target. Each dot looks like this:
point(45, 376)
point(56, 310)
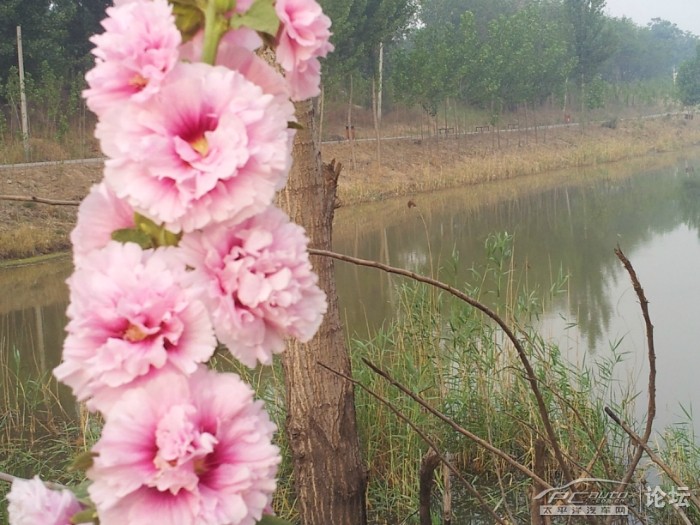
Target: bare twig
point(470, 488)
point(652, 455)
point(522, 354)
point(651, 404)
point(32, 198)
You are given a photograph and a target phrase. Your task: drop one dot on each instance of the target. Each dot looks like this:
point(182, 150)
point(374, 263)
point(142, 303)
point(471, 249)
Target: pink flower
point(134, 55)
point(256, 281)
point(302, 39)
point(186, 450)
point(210, 146)
point(32, 503)
point(129, 320)
point(100, 214)
point(237, 51)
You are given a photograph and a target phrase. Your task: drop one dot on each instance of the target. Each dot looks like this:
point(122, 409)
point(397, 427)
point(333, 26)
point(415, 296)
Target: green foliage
point(522, 57)
point(147, 234)
point(595, 94)
point(438, 62)
point(593, 41)
point(261, 17)
point(461, 364)
point(688, 81)
point(645, 53)
point(55, 31)
point(188, 17)
point(359, 26)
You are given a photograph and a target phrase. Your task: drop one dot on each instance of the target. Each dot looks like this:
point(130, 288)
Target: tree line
point(492, 54)
point(499, 54)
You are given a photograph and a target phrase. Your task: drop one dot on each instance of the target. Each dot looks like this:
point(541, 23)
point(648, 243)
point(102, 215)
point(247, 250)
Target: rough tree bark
point(329, 475)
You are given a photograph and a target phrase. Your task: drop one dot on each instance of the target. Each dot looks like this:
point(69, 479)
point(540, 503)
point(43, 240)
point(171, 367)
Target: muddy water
point(566, 223)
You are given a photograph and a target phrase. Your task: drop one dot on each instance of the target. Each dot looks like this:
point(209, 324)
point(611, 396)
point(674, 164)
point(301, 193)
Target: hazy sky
point(684, 13)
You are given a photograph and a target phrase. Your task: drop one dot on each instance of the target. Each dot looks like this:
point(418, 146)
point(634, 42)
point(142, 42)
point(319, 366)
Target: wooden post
point(22, 94)
point(380, 87)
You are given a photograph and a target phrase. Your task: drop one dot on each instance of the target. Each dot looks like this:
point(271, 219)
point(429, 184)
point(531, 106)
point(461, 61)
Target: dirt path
point(406, 167)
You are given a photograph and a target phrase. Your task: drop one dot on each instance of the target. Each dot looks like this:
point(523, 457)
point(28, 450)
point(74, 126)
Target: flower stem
point(212, 33)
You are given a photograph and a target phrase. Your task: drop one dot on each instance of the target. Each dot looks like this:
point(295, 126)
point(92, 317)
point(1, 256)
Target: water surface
point(561, 223)
point(566, 222)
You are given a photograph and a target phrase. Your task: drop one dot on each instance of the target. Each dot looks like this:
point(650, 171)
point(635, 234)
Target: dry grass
point(28, 229)
point(408, 166)
point(414, 166)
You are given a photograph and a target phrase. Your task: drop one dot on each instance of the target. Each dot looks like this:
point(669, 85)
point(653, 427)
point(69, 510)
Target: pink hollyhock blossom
point(129, 320)
point(100, 214)
point(187, 450)
point(134, 55)
point(301, 40)
point(210, 147)
point(236, 51)
point(256, 281)
point(32, 503)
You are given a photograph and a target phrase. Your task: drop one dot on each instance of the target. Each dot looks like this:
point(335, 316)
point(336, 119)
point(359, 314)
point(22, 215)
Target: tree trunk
point(329, 475)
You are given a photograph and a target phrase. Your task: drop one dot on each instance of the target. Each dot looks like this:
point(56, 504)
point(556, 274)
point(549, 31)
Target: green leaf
point(147, 234)
point(85, 516)
point(157, 234)
point(294, 125)
point(260, 17)
point(81, 493)
point(188, 17)
point(133, 235)
point(83, 461)
point(273, 520)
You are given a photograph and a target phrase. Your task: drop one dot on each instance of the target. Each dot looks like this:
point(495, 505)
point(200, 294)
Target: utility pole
point(380, 83)
point(22, 94)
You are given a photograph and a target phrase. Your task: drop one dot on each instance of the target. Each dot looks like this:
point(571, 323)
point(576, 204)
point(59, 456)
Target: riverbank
point(401, 167)
point(416, 165)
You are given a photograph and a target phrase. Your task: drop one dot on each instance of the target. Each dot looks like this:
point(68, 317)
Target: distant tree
point(434, 12)
point(592, 40)
point(54, 33)
point(31, 16)
point(349, 19)
point(358, 28)
point(436, 62)
point(688, 81)
point(676, 45)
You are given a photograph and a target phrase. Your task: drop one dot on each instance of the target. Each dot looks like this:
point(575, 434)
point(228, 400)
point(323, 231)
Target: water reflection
point(32, 321)
point(571, 222)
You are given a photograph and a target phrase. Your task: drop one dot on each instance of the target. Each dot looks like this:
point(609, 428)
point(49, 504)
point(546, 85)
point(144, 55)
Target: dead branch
point(522, 354)
point(651, 404)
point(427, 469)
point(32, 198)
